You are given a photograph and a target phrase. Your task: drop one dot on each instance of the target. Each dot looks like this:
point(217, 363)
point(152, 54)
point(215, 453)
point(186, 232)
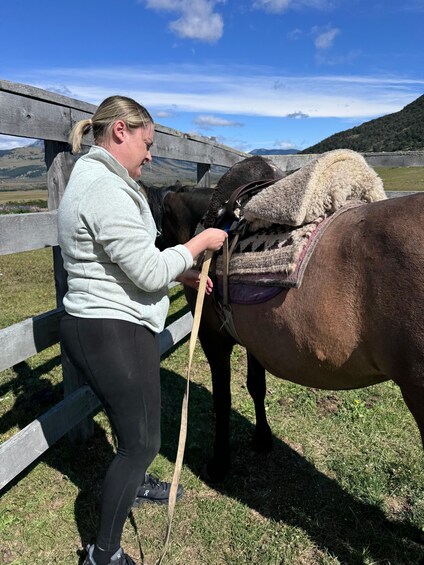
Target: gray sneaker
point(118, 558)
point(156, 491)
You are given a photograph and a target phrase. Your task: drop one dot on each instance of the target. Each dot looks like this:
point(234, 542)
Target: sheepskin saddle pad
point(285, 221)
point(319, 188)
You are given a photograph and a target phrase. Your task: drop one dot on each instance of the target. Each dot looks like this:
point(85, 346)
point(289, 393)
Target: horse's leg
point(413, 394)
point(256, 385)
point(218, 350)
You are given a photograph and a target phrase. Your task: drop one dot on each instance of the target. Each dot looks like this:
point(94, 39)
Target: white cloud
point(324, 38)
point(324, 58)
point(297, 115)
point(280, 6)
point(237, 90)
point(197, 18)
point(11, 142)
point(61, 89)
point(167, 112)
point(295, 34)
point(273, 6)
point(284, 144)
point(409, 6)
point(208, 122)
point(164, 114)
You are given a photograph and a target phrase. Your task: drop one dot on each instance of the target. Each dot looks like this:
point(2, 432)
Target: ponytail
point(78, 131)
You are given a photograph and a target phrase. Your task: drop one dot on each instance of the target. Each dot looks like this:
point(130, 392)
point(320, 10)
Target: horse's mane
point(155, 196)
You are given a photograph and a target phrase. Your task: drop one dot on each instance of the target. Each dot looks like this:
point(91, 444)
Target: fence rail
point(398, 159)
point(26, 111)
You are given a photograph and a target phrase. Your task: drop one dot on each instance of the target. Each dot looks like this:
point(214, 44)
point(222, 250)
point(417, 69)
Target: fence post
point(59, 162)
point(203, 174)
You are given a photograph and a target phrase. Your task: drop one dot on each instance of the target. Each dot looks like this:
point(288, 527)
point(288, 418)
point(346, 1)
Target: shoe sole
point(140, 500)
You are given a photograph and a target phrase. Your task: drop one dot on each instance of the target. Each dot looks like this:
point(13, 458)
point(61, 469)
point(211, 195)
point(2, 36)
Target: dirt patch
point(6, 555)
point(286, 401)
point(397, 506)
point(372, 401)
point(328, 404)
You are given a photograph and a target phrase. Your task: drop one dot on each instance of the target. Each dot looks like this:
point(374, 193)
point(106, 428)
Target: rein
point(184, 409)
point(241, 191)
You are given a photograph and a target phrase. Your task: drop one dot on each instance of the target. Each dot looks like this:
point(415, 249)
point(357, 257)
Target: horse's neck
point(197, 203)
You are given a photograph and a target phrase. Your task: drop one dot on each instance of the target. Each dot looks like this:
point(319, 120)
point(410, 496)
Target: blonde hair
point(108, 112)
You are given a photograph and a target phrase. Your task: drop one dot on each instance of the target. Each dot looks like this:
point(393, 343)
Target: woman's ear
point(119, 129)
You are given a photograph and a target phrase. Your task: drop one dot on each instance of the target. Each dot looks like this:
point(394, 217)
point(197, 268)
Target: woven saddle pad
point(276, 255)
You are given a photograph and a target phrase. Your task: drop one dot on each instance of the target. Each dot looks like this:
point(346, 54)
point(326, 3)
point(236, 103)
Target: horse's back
point(357, 313)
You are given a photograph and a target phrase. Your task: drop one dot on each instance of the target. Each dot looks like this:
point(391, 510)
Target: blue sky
point(253, 73)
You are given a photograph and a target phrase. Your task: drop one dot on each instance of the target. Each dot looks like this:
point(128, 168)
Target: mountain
point(274, 151)
point(400, 131)
point(22, 168)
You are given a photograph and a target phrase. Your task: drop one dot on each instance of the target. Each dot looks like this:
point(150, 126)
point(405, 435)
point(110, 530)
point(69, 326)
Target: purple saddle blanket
point(248, 293)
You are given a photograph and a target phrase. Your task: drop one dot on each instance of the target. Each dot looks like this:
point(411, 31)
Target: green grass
point(343, 485)
point(402, 178)
point(32, 273)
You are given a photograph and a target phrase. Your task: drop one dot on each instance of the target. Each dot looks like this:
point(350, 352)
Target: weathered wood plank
point(194, 149)
point(26, 117)
point(29, 337)
point(175, 332)
point(27, 445)
point(25, 232)
point(45, 95)
point(59, 162)
point(395, 159)
point(31, 112)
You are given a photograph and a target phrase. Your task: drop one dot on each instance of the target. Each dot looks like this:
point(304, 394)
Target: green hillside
point(401, 131)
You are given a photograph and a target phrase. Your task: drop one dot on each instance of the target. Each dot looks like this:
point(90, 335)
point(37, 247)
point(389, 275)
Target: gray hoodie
point(107, 236)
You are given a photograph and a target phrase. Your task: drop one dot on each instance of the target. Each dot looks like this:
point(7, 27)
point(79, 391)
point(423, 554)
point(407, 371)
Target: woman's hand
point(211, 238)
point(192, 278)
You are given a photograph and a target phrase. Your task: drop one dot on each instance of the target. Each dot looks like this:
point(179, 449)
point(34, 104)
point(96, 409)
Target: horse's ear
point(178, 187)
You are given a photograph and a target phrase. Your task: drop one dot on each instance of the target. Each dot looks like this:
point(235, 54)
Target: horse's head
point(248, 170)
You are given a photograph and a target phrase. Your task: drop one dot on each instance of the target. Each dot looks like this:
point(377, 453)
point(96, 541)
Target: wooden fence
point(29, 112)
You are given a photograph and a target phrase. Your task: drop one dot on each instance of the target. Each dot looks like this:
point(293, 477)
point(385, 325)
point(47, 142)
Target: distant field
point(402, 178)
point(22, 195)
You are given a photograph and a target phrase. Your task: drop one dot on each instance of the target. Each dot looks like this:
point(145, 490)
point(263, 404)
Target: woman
point(117, 302)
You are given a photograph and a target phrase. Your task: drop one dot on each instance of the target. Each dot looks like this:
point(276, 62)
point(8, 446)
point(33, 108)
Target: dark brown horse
point(356, 320)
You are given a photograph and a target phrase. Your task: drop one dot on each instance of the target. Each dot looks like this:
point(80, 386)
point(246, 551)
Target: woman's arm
point(192, 278)
point(211, 238)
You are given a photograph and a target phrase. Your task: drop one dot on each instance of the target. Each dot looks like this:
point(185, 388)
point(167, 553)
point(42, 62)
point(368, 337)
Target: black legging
point(121, 362)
